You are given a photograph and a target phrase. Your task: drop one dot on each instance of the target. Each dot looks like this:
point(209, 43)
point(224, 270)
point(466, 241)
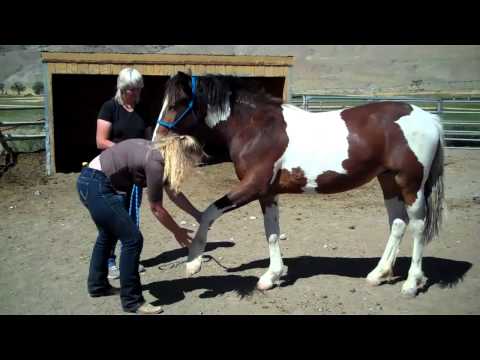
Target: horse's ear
point(189, 72)
point(181, 73)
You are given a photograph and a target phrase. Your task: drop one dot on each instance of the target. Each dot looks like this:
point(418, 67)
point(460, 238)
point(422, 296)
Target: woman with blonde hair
point(162, 164)
point(118, 120)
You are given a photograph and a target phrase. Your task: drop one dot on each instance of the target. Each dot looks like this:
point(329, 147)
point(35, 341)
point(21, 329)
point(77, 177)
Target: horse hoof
point(376, 278)
point(409, 293)
point(266, 282)
point(412, 291)
point(194, 267)
point(264, 285)
point(374, 282)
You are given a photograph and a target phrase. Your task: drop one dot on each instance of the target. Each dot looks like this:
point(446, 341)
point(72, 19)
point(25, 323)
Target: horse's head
point(182, 110)
point(211, 107)
point(194, 103)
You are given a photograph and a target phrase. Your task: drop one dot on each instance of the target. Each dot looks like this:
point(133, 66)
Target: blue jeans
point(108, 211)
point(112, 257)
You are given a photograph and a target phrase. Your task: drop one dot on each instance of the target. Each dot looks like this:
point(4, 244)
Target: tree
point(38, 88)
point(18, 87)
point(2, 88)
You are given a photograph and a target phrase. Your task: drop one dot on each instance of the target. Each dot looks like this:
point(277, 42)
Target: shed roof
point(148, 58)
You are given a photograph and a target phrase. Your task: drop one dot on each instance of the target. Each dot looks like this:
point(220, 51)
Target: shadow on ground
point(444, 272)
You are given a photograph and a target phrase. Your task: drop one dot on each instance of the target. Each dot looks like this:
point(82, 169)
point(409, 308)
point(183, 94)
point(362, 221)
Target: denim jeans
point(112, 257)
point(110, 214)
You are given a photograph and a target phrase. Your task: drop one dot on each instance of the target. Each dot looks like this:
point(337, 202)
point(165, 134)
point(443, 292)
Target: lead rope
point(136, 200)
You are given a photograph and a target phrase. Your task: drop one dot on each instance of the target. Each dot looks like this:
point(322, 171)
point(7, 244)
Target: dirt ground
point(333, 241)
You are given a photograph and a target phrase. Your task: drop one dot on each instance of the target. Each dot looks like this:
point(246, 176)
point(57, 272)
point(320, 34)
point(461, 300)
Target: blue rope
point(135, 202)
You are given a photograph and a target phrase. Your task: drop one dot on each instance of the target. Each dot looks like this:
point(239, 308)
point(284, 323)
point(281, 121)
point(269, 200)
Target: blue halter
point(171, 125)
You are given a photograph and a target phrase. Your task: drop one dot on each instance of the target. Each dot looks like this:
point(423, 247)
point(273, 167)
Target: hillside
point(329, 69)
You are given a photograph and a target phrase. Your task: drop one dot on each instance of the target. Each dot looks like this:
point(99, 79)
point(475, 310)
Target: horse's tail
point(434, 190)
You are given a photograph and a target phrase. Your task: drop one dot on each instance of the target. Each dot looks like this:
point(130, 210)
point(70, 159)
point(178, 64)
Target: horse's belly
point(315, 154)
point(328, 182)
point(317, 150)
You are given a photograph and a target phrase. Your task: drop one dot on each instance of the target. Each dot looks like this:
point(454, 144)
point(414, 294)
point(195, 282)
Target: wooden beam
point(105, 69)
point(183, 59)
point(93, 69)
point(285, 89)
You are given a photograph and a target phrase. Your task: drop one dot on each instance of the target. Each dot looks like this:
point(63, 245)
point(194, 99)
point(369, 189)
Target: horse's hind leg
point(398, 220)
point(272, 231)
point(416, 280)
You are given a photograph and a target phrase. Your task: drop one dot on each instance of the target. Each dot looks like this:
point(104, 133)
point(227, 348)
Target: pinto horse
point(278, 148)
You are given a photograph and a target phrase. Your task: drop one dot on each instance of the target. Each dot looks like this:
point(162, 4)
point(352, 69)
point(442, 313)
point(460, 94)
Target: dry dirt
point(333, 242)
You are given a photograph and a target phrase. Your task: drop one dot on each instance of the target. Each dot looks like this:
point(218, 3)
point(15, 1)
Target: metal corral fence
point(36, 139)
point(460, 117)
point(6, 125)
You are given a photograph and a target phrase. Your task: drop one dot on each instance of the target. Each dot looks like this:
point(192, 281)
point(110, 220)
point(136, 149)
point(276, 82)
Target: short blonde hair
point(180, 153)
point(128, 78)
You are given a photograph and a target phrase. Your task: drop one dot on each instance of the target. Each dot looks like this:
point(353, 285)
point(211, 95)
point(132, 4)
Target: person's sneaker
point(113, 272)
point(149, 309)
point(108, 292)
point(141, 268)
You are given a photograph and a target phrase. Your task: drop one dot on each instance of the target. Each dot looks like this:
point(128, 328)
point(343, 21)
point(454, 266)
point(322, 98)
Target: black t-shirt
point(125, 125)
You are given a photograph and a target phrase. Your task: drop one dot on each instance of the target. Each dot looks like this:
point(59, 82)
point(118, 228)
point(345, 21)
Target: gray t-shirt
point(134, 161)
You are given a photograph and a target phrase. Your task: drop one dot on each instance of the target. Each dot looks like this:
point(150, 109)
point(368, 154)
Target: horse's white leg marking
point(197, 248)
point(416, 280)
point(398, 220)
point(272, 232)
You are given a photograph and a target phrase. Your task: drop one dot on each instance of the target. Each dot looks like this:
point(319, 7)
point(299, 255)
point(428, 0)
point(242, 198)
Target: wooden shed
point(78, 84)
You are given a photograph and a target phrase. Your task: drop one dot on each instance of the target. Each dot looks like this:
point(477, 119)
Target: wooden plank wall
point(168, 70)
point(159, 65)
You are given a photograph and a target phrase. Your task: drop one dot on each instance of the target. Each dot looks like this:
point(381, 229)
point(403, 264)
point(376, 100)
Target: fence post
point(439, 106)
point(46, 87)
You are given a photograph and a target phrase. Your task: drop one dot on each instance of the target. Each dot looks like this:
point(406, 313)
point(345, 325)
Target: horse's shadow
point(444, 272)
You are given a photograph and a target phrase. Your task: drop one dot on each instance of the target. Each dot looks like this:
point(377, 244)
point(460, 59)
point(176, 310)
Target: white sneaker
point(113, 272)
point(149, 309)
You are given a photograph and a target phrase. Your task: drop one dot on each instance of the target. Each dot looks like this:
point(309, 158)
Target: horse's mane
point(220, 91)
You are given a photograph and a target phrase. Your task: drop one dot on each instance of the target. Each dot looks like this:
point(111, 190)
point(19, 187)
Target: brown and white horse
point(279, 149)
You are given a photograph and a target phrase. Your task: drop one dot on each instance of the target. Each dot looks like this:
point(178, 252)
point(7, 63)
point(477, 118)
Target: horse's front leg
point(272, 232)
point(248, 190)
point(213, 212)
